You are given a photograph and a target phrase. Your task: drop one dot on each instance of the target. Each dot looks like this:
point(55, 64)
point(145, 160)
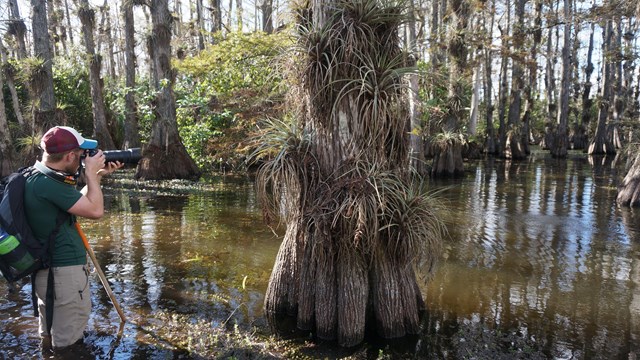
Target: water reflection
point(207, 255)
point(540, 264)
point(544, 254)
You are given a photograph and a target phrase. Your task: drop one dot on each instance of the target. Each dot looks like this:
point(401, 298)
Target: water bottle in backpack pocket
point(15, 256)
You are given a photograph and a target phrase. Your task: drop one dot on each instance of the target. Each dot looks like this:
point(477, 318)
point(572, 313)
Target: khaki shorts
point(71, 303)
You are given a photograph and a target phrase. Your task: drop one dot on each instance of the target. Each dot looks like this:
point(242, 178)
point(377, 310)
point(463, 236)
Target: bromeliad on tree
point(359, 232)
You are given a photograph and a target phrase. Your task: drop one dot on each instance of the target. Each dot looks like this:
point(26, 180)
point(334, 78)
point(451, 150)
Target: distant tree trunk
point(165, 157)
point(7, 153)
point(69, 28)
point(516, 136)
point(61, 11)
point(629, 67)
point(488, 85)
point(55, 19)
point(447, 160)
point(267, 14)
point(131, 135)
point(17, 28)
point(503, 91)
point(458, 52)
point(574, 110)
point(435, 55)
point(239, 15)
point(230, 17)
point(602, 143)
point(532, 68)
point(177, 10)
point(550, 81)
point(617, 93)
point(582, 141)
point(416, 143)
point(561, 141)
point(199, 26)
point(45, 114)
point(9, 72)
point(629, 191)
point(100, 128)
point(476, 82)
point(216, 16)
point(107, 31)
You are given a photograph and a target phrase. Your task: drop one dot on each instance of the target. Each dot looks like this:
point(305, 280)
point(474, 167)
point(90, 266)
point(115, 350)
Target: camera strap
point(56, 175)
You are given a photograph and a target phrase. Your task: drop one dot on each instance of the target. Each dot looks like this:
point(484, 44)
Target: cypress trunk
point(131, 136)
point(602, 142)
point(561, 141)
point(100, 128)
point(629, 191)
point(44, 113)
point(341, 174)
point(166, 156)
point(353, 283)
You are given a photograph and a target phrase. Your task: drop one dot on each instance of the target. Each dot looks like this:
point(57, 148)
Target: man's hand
point(96, 165)
point(110, 167)
point(93, 164)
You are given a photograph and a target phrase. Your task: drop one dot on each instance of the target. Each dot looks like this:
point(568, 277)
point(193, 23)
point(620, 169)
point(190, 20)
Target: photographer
point(51, 198)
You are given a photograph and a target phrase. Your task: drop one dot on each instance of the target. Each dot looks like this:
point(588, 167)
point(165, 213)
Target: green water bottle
point(14, 253)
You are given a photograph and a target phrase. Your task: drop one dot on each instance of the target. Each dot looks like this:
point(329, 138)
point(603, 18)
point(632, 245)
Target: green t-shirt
point(44, 199)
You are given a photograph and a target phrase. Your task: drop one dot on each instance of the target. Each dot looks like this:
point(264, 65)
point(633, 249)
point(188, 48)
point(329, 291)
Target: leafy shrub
point(73, 93)
point(237, 68)
point(144, 96)
point(239, 61)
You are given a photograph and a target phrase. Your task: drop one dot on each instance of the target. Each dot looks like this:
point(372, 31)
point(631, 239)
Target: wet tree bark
point(165, 157)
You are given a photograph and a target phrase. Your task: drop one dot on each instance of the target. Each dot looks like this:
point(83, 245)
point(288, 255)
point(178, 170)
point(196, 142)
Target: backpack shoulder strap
point(61, 218)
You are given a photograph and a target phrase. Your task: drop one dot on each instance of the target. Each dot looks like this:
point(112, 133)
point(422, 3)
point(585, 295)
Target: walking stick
point(101, 275)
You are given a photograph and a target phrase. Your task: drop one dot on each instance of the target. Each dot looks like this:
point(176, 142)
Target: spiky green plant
point(358, 228)
point(33, 73)
point(29, 144)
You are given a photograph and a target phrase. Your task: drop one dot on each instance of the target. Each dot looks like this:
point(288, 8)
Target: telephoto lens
point(128, 156)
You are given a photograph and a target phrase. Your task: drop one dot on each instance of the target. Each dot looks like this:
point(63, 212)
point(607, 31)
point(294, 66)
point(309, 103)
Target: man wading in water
point(49, 193)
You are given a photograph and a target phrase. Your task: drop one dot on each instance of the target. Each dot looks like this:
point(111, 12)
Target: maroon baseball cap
point(63, 138)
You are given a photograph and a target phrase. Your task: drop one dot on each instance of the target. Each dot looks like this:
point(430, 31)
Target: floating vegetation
point(202, 340)
point(124, 180)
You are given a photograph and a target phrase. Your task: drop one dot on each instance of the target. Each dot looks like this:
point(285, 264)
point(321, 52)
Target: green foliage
point(196, 135)
point(144, 95)
point(73, 93)
point(433, 93)
point(239, 61)
point(237, 65)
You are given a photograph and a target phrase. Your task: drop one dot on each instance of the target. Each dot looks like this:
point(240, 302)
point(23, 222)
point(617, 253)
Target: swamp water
point(539, 263)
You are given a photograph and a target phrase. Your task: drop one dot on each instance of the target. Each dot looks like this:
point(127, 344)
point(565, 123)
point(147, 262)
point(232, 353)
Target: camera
point(127, 156)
